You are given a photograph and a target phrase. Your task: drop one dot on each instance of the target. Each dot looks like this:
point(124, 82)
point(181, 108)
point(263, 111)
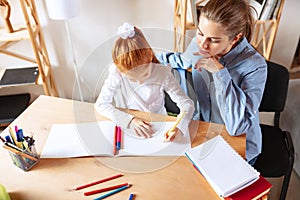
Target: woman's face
point(212, 40)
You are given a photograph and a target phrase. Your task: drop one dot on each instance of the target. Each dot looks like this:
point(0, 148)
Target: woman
point(228, 74)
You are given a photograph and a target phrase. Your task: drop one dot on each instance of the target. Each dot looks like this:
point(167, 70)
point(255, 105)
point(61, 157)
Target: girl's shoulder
point(161, 68)
point(113, 70)
point(161, 73)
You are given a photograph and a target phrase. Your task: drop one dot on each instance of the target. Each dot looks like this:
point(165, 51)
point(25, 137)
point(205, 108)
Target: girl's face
point(212, 39)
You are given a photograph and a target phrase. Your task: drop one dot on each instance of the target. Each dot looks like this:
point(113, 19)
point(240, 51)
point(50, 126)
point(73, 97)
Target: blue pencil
point(131, 196)
point(113, 192)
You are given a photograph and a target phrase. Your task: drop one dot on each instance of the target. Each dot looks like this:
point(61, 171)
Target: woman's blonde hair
point(234, 15)
point(132, 52)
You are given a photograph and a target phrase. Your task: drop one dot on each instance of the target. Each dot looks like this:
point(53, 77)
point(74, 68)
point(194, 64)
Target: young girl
point(137, 81)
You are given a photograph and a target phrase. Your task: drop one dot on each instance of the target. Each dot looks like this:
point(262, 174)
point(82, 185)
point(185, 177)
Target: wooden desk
point(52, 178)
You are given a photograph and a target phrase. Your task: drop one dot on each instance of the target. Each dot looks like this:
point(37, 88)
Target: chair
point(277, 157)
point(184, 78)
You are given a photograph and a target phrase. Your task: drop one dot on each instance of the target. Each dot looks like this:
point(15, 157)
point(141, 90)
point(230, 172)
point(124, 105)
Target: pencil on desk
point(113, 192)
point(131, 196)
point(97, 182)
point(115, 140)
point(105, 189)
point(119, 138)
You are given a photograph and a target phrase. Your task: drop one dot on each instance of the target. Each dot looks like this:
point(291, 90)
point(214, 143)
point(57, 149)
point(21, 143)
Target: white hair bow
point(126, 30)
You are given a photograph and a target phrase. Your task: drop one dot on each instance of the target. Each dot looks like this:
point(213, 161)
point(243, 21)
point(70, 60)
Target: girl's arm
point(104, 104)
point(183, 102)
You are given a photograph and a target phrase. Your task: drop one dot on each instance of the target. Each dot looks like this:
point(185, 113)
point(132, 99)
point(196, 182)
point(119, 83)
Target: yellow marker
point(13, 136)
point(178, 120)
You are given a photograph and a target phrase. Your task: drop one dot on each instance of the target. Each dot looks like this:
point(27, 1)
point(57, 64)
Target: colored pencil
point(97, 182)
point(105, 189)
point(115, 140)
point(16, 151)
point(113, 192)
point(131, 196)
point(119, 138)
point(12, 135)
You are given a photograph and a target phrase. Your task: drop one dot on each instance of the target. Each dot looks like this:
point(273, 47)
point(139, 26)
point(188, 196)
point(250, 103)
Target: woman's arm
point(239, 104)
point(184, 60)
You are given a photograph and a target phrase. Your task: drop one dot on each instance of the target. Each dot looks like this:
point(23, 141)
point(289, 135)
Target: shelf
point(12, 106)
point(20, 33)
point(19, 76)
point(182, 11)
point(31, 30)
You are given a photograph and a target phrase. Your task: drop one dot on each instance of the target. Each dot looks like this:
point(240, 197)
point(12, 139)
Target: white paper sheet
point(97, 138)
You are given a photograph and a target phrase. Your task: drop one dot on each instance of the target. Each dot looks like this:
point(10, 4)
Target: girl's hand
point(171, 134)
point(141, 128)
point(210, 63)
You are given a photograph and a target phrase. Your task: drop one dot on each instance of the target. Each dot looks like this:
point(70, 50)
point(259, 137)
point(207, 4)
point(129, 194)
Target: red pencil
point(100, 181)
point(115, 140)
point(119, 138)
point(105, 189)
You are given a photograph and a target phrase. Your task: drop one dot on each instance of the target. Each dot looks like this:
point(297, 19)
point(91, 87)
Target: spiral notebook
point(224, 169)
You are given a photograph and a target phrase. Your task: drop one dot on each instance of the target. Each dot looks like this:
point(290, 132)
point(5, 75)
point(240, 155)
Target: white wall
point(288, 34)
point(95, 29)
point(93, 33)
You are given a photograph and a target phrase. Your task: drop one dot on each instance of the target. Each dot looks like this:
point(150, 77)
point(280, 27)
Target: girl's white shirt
point(120, 92)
